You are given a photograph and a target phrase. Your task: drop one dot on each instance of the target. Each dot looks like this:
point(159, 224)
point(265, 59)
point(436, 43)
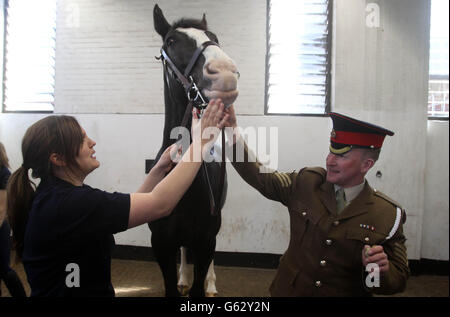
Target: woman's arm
point(145, 207)
point(272, 184)
point(157, 173)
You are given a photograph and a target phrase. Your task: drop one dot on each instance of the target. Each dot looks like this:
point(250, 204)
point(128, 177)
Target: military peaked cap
point(349, 132)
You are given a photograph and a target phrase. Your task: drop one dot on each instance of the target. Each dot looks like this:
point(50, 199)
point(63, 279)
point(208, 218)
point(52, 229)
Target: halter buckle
point(195, 96)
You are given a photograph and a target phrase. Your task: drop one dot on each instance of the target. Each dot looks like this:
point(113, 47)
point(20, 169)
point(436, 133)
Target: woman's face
point(86, 159)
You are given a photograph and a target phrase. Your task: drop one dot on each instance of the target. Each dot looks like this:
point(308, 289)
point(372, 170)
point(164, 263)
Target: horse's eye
point(170, 41)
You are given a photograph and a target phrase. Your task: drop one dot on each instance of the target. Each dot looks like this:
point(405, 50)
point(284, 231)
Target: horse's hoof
point(215, 294)
point(183, 289)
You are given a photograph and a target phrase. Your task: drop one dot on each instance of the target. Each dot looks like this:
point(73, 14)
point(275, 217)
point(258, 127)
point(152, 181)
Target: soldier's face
point(346, 170)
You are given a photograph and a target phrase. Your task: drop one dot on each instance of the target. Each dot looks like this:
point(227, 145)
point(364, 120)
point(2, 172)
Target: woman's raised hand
point(207, 129)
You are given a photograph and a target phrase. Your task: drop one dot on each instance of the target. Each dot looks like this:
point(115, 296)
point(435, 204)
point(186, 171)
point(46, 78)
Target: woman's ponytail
point(20, 193)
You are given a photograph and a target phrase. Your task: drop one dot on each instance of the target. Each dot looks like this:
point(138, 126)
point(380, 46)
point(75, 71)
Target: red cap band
point(362, 139)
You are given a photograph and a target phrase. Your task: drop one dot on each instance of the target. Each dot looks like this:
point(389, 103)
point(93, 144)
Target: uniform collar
point(360, 205)
point(357, 207)
point(351, 192)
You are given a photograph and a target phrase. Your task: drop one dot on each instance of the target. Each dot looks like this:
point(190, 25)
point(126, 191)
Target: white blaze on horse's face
point(219, 69)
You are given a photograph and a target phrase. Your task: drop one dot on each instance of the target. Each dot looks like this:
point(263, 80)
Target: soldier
point(340, 226)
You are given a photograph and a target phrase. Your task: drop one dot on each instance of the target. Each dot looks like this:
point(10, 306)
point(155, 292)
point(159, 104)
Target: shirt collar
point(351, 192)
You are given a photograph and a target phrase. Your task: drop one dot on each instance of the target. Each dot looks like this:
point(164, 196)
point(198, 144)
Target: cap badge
point(333, 134)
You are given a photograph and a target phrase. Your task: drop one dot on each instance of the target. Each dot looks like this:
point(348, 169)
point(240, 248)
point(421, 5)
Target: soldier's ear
point(367, 164)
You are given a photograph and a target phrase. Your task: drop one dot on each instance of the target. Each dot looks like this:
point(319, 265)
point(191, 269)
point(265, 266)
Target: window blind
point(298, 56)
point(29, 68)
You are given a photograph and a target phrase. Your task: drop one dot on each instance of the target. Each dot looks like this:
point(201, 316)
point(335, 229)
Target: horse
point(190, 48)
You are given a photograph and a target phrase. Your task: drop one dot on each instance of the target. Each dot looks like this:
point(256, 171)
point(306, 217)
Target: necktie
point(340, 200)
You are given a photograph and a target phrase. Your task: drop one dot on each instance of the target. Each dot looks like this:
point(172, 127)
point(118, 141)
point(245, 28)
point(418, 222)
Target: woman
point(63, 231)
point(7, 274)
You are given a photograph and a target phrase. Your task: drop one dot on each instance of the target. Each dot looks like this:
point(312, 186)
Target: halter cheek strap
point(168, 62)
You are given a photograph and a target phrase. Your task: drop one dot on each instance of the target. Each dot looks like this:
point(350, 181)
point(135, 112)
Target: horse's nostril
point(238, 74)
point(210, 70)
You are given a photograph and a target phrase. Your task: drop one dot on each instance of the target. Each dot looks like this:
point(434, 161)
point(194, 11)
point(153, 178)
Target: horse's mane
point(190, 23)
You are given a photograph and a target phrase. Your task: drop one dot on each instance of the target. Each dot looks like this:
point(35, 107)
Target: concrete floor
point(143, 279)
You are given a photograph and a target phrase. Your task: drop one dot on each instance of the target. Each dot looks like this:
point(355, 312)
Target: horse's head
point(214, 72)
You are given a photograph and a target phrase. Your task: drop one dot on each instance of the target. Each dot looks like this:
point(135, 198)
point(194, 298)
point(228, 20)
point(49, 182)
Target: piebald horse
point(195, 70)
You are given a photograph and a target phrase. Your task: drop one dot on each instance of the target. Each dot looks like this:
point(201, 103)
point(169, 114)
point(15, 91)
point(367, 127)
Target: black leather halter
point(197, 100)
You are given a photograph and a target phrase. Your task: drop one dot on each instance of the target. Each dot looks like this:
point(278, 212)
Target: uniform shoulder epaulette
point(310, 175)
point(387, 198)
point(318, 170)
point(400, 216)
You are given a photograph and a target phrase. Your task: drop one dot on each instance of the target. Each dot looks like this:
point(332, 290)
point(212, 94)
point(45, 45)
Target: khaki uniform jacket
point(324, 257)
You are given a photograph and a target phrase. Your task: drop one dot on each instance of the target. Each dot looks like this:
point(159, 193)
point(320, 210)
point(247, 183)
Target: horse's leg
point(183, 280)
point(211, 290)
point(166, 255)
point(203, 256)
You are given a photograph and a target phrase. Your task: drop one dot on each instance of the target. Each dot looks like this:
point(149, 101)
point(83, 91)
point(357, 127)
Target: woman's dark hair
point(3, 157)
point(54, 134)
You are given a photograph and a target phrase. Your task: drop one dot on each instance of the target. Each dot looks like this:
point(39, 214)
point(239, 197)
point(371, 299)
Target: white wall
point(381, 76)
point(435, 217)
point(106, 52)
point(107, 77)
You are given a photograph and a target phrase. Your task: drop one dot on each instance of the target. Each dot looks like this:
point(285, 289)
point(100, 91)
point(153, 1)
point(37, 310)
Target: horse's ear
point(204, 21)
point(160, 22)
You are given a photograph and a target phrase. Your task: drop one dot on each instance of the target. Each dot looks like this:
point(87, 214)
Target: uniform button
point(328, 242)
point(336, 223)
point(304, 213)
point(323, 263)
point(318, 283)
point(366, 239)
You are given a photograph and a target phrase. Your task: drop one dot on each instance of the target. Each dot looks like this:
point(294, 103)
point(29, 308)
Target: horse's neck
point(175, 106)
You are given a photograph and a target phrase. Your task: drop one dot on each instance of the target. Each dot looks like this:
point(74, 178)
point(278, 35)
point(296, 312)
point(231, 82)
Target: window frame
point(328, 86)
